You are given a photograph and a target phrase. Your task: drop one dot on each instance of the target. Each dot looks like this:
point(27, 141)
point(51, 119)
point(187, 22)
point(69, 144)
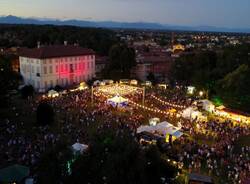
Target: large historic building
point(45, 67)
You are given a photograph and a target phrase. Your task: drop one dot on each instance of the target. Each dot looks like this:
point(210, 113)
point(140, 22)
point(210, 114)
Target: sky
point(220, 13)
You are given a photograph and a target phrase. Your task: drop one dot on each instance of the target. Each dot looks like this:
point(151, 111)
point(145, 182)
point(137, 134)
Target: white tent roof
point(118, 99)
point(51, 92)
point(145, 129)
point(190, 113)
point(79, 147)
point(162, 128)
point(164, 124)
point(207, 105)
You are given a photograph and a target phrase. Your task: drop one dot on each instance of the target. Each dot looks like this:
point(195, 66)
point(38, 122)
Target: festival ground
point(216, 148)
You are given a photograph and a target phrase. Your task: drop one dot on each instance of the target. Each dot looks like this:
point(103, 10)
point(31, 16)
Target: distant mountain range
point(111, 24)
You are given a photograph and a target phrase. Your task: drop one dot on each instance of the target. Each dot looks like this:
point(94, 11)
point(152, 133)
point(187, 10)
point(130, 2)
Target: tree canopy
point(8, 79)
point(224, 73)
point(99, 40)
point(117, 158)
point(121, 60)
point(44, 114)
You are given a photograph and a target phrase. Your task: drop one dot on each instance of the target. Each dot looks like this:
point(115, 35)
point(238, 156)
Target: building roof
point(54, 51)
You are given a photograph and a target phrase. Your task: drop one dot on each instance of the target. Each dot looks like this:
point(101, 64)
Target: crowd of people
point(76, 116)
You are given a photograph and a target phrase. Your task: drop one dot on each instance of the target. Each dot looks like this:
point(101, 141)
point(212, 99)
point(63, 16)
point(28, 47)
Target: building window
point(66, 67)
point(71, 68)
point(37, 84)
point(51, 83)
point(50, 69)
point(45, 70)
point(61, 68)
point(56, 68)
point(45, 85)
point(37, 69)
point(32, 69)
point(83, 66)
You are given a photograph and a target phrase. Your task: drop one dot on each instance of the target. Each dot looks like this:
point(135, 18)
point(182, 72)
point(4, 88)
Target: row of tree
point(112, 158)
point(99, 40)
point(225, 74)
point(8, 79)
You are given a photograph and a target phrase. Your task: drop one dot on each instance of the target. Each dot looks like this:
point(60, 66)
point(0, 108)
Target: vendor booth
point(190, 113)
point(206, 105)
point(164, 130)
point(118, 101)
point(133, 82)
point(154, 121)
point(53, 94)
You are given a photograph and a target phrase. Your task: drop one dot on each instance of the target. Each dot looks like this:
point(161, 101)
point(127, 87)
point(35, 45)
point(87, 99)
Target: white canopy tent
point(118, 101)
point(190, 113)
point(77, 147)
point(207, 105)
point(154, 121)
point(163, 129)
point(53, 93)
point(145, 129)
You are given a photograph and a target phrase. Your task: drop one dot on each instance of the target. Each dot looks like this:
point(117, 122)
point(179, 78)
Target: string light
point(168, 103)
point(119, 89)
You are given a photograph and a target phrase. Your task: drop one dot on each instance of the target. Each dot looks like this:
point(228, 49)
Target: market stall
point(163, 130)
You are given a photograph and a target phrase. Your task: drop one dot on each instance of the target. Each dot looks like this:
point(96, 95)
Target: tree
point(117, 158)
point(151, 77)
point(224, 74)
point(121, 60)
point(8, 79)
point(99, 39)
point(52, 167)
point(44, 114)
point(27, 91)
point(234, 88)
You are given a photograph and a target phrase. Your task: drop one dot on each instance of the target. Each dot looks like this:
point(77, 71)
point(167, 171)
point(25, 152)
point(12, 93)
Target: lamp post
point(201, 93)
point(92, 95)
point(143, 95)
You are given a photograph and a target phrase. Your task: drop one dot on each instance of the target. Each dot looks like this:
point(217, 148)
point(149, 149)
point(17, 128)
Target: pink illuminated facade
point(46, 67)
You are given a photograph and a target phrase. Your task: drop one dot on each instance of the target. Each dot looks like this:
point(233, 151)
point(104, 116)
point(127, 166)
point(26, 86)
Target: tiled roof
point(55, 51)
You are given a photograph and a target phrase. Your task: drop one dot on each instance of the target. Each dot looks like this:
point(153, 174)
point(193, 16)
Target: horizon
point(93, 20)
point(226, 13)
